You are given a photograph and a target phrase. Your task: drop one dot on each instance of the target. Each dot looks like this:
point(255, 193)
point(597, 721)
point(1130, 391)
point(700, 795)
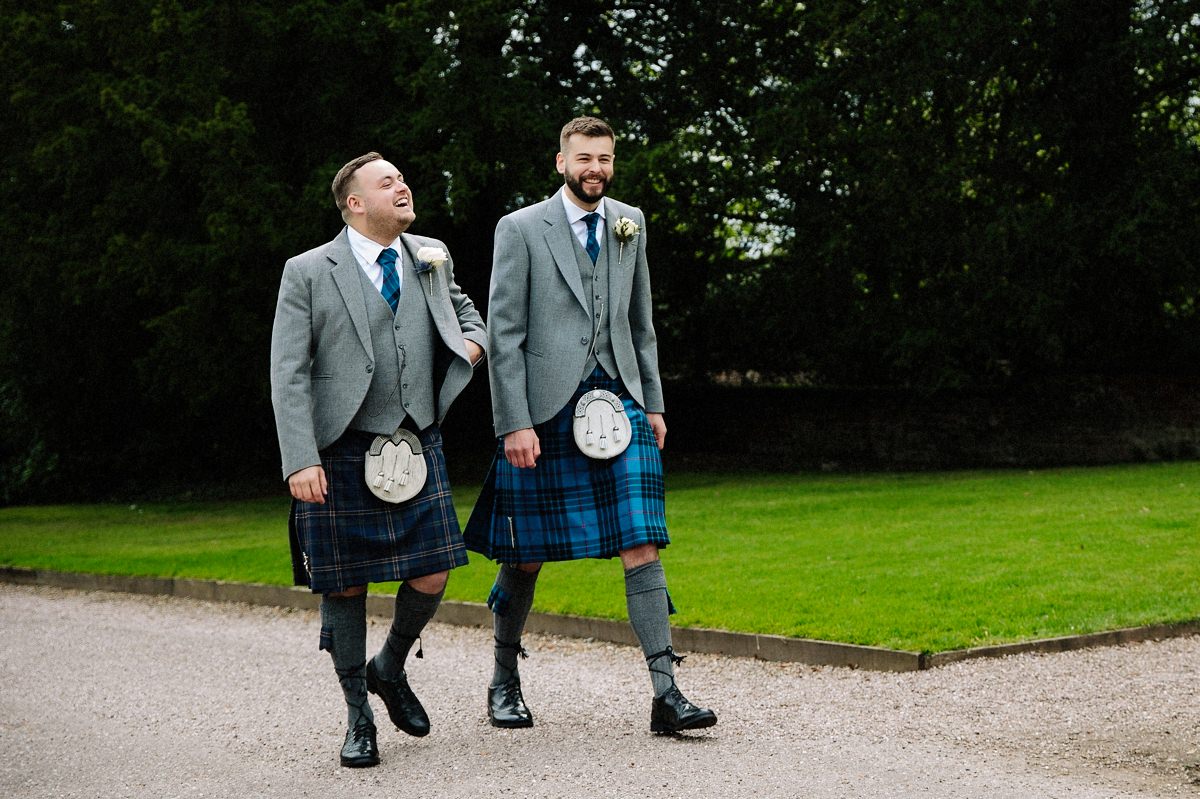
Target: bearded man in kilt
point(372, 336)
point(569, 312)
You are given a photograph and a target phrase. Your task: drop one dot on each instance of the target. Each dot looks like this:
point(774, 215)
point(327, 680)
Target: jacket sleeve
point(508, 321)
point(291, 373)
point(641, 326)
point(469, 319)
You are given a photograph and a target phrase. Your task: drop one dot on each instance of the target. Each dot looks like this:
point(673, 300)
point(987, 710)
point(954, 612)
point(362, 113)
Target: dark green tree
point(906, 193)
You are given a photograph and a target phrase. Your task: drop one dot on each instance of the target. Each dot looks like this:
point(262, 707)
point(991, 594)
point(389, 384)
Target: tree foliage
point(904, 192)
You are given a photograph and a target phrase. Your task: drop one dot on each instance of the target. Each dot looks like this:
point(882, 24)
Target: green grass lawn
point(923, 562)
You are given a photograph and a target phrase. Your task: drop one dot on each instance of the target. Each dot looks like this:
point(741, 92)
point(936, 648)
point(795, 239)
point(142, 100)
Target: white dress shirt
point(366, 252)
point(575, 216)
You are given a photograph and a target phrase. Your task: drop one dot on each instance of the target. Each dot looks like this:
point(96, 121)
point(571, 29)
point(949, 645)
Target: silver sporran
point(395, 468)
point(600, 426)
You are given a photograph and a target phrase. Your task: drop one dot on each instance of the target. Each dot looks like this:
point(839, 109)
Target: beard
point(576, 187)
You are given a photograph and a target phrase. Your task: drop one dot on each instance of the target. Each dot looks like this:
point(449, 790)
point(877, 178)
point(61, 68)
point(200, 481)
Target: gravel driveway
point(110, 695)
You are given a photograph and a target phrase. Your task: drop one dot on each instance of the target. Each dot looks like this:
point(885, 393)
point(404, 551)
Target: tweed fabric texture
point(356, 538)
point(570, 506)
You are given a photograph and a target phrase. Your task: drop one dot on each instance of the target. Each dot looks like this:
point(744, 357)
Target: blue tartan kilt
point(356, 538)
point(570, 506)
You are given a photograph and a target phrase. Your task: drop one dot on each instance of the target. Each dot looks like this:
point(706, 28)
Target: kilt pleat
point(570, 506)
point(355, 538)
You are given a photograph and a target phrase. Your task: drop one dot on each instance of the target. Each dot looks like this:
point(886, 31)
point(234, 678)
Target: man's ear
point(354, 204)
point(560, 163)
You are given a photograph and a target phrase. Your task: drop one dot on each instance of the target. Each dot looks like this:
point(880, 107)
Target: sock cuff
point(334, 608)
point(343, 626)
point(647, 577)
point(512, 578)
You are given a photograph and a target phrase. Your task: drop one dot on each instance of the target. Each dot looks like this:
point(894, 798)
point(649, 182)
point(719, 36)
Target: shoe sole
point(359, 763)
point(658, 728)
point(510, 725)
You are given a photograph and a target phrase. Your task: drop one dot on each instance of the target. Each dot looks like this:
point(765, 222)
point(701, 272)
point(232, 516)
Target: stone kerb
point(686, 639)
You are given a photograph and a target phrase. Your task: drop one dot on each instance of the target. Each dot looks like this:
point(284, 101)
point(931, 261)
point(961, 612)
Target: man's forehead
point(376, 171)
point(594, 145)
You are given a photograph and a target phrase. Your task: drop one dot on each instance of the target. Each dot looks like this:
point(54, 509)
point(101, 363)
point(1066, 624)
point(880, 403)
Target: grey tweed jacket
point(539, 324)
point(321, 330)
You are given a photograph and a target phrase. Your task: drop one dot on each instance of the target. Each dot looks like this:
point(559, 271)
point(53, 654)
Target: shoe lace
point(400, 654)
point(354, 683)
point(362, 731)
point(512, 692)
point(522, 653)
point(667, 653)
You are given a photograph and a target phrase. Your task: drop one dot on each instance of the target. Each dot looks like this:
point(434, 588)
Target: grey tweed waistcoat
point(402, 383)
point(595, 288)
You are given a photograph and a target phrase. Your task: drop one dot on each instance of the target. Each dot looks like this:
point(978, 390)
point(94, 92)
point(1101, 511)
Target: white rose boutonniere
point(428, 259)
point(624, 229)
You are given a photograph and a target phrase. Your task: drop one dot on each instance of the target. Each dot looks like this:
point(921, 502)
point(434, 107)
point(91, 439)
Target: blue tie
point(592, 247)
point(391, 280)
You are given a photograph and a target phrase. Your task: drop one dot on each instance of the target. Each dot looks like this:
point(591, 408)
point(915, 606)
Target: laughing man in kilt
point(368, 337)
point(570, 312)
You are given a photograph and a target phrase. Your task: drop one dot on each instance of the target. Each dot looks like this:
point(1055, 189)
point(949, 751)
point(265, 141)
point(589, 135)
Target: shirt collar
point(366, 251)
point(574, 212)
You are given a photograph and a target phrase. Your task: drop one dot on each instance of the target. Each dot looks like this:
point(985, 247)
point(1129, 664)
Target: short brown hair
point(593, 127)
point(341, 181)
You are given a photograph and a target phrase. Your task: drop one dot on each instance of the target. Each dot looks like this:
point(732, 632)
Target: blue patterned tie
point(391, 280)
point(592, 246)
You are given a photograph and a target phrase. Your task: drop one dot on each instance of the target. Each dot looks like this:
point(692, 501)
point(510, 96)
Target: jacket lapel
point(345, 277)
point(562, 244)
point(450, 332)
point(618, 274)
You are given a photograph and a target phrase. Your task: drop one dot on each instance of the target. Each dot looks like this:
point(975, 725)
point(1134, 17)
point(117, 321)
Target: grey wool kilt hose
point(570, 506)
point(356, 538)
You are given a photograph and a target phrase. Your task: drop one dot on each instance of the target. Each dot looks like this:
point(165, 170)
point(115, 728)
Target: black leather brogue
point(672, 713)
point(360, 749)
point(403, 707)
point(506, 706)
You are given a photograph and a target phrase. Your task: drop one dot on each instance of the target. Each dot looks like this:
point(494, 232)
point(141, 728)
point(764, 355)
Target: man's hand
point(309, 485)
point(474, 351)
point(522, 449)
point(659, 426)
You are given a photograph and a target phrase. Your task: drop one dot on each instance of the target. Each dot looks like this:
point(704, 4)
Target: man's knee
point(639, 556)
point(430, 583)
point(349, 592)
point(529, 568)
